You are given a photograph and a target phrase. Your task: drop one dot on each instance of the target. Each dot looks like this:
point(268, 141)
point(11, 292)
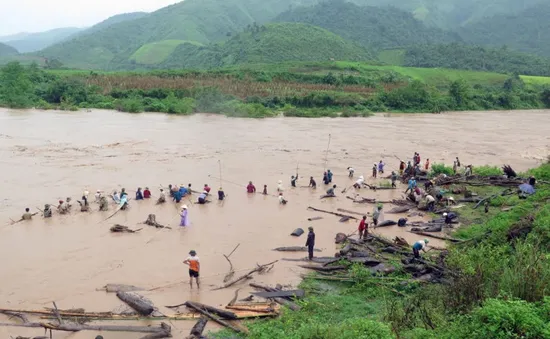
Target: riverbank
point(496, 285)
point(336, 89)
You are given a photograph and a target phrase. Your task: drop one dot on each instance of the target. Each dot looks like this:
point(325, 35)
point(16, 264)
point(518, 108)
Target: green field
point(392, 56)
point(156, 52)
point(534, 80)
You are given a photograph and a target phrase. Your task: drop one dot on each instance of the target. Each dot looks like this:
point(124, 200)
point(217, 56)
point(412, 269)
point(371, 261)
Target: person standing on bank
point(310, 242)
point(194, 267)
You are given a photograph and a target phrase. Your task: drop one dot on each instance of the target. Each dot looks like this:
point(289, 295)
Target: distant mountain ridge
point(32, 42)
point(7, 50)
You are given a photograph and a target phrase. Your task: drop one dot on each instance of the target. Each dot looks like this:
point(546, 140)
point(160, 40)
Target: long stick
point(220, 165)
point(326, 153)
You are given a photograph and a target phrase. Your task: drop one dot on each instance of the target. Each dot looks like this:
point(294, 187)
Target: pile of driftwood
point(375, 253)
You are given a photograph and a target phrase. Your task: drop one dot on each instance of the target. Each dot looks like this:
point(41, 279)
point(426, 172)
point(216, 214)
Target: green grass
point(156, 52)
point(535, 80)
point(392, 56)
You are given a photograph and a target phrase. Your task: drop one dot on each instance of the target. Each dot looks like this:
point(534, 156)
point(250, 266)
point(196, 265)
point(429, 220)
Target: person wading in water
point(194, 267)
point(310, 242)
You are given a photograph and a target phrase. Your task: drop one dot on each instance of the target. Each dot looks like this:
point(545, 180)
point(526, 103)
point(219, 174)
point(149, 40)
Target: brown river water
point(46, 156)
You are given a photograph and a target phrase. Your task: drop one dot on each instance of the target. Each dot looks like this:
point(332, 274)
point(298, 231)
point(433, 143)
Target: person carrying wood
point(27, 215)
point(363, 228)
point(84, 206)
point(47, 211)
point(418, 246)
point(194, 267)
point(103, 204)
point(310, 242)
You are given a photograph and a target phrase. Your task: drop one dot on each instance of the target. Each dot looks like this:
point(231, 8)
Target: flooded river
point(47, 156)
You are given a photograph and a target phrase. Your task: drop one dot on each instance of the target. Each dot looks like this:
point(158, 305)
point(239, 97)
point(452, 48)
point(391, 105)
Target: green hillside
point(115, 19)
point(36, 41)
point(157, 52)
point(269, 44)
point(451, 14)
point(527, 31)
point(202, 21)
point(373, 27)
point(6, 50)
point(476, 58)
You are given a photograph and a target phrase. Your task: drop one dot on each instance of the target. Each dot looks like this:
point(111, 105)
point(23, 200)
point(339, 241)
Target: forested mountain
point(477, 58)
point(6, 50)
point(201, 21)
point(36, 41)
point(114, 20)
point(372, 27)
point(271, 43)
point(451, 14)
point(527, 31)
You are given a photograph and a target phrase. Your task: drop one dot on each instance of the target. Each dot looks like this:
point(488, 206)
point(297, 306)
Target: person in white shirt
point(280, 187)
point(419, 245)
point(430, 201)
point(351, 171)
point(282, 200)
point(359, 183)
point(98, 195)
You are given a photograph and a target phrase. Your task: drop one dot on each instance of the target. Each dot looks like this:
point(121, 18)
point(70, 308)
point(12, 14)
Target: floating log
point(400, 209)
point(319, 260)
point(259, 268)
point(333, 213)
point(433, 228)
point(344, 219)
point(122, 229)
point(386, 223)
point(314, 218)
point(210, 316)
point(136, 302)
point(152, 221)
point(114, 288)
point(367, 261)
point(437, 237)
point(297, 232)
point(352, 212)
point(221, 313)
point(294, 249)
point(363, 200)
point(291, 305)
point(281, 294)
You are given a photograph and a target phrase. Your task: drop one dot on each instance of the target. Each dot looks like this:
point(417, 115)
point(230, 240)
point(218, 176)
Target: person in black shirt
point(310, 243)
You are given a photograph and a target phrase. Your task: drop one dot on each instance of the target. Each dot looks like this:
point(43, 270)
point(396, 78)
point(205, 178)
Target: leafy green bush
point(130, 105)
point(438, 169)
point(487, 170)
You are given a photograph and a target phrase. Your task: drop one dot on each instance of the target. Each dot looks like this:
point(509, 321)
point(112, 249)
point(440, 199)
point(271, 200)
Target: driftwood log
point(400, 209)
point(324, 268)
point(291, 305)
point(314, 218)
point(297, 232)
point(152, 221)
point(122, 229)
point(114, 288)
point(136, 302)
point(281, 294)
point(213, 310)
point(198, 328)
point(437, 237)
point(333, 213)
point(352, 212)
point(386, 223)
point(258, 269)
point(213, 318)
point(293, 249)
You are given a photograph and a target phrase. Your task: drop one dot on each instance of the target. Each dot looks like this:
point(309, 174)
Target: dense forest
point(270, 43)
point(459, 56)
point(527, 31)
point(373, 27)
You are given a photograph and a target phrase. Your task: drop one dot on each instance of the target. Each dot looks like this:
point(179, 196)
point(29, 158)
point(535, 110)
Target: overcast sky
point(41, 15)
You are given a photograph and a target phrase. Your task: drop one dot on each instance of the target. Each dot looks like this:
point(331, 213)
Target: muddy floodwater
point(47, 156)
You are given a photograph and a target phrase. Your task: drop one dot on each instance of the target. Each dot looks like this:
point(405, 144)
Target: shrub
point(487, 170)
point(438, 169)
point(130, 105)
